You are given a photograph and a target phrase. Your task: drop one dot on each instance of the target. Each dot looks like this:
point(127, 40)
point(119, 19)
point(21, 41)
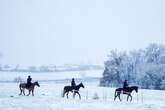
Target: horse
point(126, 91)
point(74, 90)
point(23, 86)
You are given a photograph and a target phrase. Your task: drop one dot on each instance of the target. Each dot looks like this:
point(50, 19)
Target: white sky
point(36, 32)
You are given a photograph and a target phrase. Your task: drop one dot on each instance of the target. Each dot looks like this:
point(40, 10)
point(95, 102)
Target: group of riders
point(75, 89)
point(73, 84)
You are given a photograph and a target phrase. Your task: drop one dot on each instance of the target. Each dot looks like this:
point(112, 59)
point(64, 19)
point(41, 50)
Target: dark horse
point(23, 86)
point(75, 90)
point(126, 91)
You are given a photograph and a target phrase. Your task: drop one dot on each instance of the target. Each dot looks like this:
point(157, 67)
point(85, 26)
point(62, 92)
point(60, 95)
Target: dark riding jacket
point(125, 85)
point(29, 79)
point(73, 84)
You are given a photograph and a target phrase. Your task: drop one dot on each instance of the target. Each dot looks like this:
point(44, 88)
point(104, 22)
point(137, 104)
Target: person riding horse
point(125, 85)
point(127, 90)
point(75, 91)
point(73, 84)
point(29, 79)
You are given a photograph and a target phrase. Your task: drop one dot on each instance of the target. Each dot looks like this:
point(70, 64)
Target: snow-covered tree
point(145, 67)
point(115, 69)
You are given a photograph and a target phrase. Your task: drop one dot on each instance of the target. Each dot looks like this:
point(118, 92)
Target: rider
point(29, 79)
point(125, 84)
point(73, 84)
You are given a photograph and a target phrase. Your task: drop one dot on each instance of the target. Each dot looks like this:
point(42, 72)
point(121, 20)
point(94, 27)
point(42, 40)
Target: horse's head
point(81, 85)
point(36, 83)
point(135, 88)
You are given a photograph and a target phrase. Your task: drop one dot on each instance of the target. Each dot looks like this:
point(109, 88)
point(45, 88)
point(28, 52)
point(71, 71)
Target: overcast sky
point(36, 32)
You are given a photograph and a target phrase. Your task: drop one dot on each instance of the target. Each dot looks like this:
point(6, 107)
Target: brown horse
point(23, 86)
point(126, 91)
point(74, 90)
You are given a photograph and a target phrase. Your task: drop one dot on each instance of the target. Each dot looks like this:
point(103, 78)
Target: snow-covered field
point(48, 96)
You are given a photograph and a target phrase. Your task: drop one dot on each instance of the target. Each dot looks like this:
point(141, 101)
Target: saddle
point(28, 85)
point(125, 90)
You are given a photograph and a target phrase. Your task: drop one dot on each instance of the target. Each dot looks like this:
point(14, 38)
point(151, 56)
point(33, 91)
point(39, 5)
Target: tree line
point(143, 67)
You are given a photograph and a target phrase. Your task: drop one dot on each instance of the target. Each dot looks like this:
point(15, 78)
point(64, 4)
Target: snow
point(48, 97)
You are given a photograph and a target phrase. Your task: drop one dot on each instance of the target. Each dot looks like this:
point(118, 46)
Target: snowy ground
point(48, 97)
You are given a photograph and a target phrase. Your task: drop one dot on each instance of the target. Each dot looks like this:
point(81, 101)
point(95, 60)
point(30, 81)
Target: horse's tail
point(63, 92)
point(115, 93)
point(20, 86)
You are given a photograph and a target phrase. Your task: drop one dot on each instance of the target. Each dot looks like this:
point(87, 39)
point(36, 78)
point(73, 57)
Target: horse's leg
point(79, 95)
point(67, 95)
point(127, 97)
point(115, 97)
point(29, 93)
point(74, 93)
point(119, 96)
point(116, 94)
point(32, 92)
point(23, 91)
point(64, 94)
point(20, 91)
point(131, 98)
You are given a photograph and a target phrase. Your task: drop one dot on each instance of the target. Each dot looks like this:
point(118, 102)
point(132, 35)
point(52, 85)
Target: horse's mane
point(134, 86)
